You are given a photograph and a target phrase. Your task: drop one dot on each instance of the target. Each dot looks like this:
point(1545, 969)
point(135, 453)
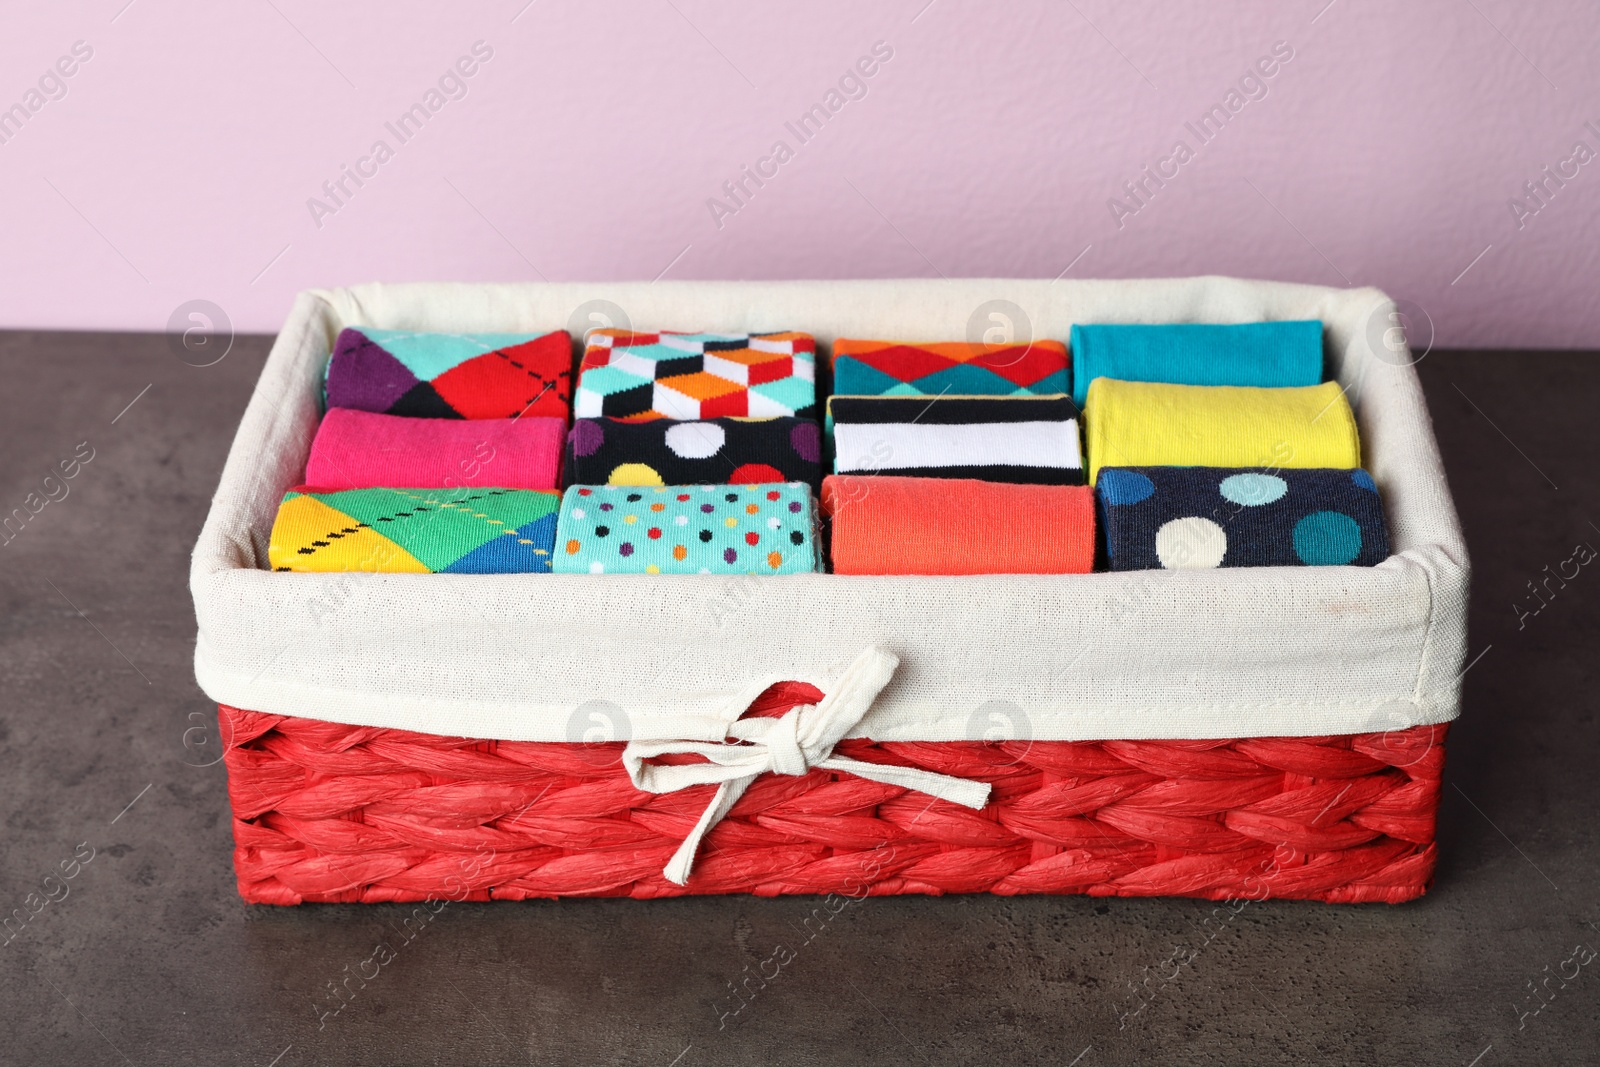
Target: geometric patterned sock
point(669, 375)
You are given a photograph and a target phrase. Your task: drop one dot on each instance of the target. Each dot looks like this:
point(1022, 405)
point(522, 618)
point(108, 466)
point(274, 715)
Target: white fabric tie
point(801, 739)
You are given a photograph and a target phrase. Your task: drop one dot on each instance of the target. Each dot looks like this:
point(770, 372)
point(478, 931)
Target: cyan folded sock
point(1251, 353)
point(995, 439)
point(451, 375)
point(1200, 517)
point(708, 452)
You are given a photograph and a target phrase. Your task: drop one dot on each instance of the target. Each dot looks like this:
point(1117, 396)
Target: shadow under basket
point(325, 812)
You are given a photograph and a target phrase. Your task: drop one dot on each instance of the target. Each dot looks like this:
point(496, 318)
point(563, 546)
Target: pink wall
point(1387, 151)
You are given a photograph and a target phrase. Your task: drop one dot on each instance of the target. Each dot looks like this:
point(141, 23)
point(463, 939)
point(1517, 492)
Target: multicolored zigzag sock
point(957, 368)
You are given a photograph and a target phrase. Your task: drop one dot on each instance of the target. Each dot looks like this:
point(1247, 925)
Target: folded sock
point(1192, 517)
point(696, 375)
point(451, 375)
point(687, 529)
point(711, 452)
point(1149, 424)
point(996, 439)
point(892, 525)
point(360, 449)
point(957, 368)
point(419, 531)
point(1252, 353)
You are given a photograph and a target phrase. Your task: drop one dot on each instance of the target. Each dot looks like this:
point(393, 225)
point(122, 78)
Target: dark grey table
point(150, 958)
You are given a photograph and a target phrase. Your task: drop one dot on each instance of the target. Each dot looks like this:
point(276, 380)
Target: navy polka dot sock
point(1197, 517)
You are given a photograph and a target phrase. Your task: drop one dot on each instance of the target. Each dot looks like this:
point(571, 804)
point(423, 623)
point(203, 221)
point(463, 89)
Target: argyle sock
point(892, 525)
point(420, 531)
point(709, 452)
point(359, 449)
point(687, 529)
point(958, 368)
point(997, 439)
point(696, 375)
point(1148, 424)
point(1271, 354)
point(451, 376)
point(1192, 517)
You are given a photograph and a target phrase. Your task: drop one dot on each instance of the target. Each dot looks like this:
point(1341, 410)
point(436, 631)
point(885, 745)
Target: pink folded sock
point(363, 450)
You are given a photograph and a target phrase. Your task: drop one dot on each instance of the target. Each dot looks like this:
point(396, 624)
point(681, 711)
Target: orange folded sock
point(887, 525)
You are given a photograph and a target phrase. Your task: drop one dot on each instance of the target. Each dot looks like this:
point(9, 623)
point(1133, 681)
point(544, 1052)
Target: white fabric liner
point(1157, 654)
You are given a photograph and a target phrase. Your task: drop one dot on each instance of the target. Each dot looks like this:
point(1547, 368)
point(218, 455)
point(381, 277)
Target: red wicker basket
point(330, 813)
point(1163, 707)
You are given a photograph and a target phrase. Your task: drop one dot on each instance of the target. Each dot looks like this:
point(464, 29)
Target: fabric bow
point(801, 739)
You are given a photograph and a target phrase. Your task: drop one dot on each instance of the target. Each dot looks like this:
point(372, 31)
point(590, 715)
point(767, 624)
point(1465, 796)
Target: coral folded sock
point(1150, 424)
point(451, 375)
point(893, 525)
point(1270, 354)
point(358, 450)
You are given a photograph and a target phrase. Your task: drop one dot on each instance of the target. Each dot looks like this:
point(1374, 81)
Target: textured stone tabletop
point(107, 770)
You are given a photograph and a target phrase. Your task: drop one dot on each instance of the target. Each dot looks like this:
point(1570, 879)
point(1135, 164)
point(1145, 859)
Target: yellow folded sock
point(1152, 424)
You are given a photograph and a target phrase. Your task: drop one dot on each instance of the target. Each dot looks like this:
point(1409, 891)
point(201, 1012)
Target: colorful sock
point(995, 439)
point(957, 368)
point(687, 529)
point(1191, 517)
point(697, 375)
point(358, 449)
point(450, 375)
point(1271, 354)
point(713, 452)
point(958, 526)
point(417, 531)
point(1149, 424)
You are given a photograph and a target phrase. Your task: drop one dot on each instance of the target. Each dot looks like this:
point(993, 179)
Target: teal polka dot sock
point(766, 528)
point(1196, 517)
